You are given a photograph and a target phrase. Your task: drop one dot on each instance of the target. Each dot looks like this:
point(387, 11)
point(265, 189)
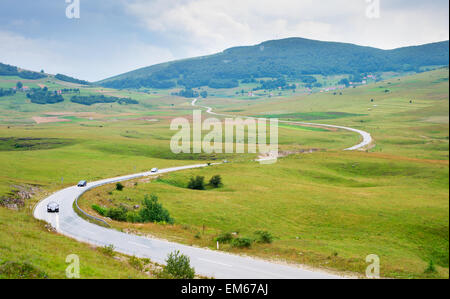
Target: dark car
point(82, 184)
point(53, 207)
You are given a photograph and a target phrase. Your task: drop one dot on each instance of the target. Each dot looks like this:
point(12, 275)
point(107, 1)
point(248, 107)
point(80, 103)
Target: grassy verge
point(30, 250)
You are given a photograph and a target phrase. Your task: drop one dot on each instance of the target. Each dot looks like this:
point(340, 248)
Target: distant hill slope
point(292, 57)
point(10, 70)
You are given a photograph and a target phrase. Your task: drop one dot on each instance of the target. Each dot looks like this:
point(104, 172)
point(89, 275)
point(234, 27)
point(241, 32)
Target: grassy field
point(328, 209)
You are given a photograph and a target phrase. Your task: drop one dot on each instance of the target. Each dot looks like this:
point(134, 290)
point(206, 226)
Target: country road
point(206, 262)
point(366, 137)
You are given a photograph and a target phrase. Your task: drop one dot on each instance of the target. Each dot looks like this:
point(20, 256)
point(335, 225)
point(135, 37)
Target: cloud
point(113, 37)
point(213, 25)
point(87, 61)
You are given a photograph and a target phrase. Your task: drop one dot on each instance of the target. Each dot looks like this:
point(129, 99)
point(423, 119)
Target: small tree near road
point(153, 211)
point(216, 181)
point(178, 266)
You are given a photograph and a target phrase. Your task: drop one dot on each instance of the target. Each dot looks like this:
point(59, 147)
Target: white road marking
point(137, 244)
point(214, 262)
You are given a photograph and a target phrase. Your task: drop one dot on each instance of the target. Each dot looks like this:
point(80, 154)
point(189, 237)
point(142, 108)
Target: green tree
point(19, 85)
point(153, 211)
point(197, 183)
point(216, 181)
point(178, 266)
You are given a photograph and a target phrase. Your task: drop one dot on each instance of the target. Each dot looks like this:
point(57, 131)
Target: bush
point(224, 238)
point(133, 217)
point(153, 211)
point(135, 263)
point(178, 267)
point(100, 210)
point(216, 181)
point(241, 243)
point(14, 270)
point(264, 237)
point(431, 269)
point(197, 183)
point(108, 250)
point(119, 187)
point(118, 214)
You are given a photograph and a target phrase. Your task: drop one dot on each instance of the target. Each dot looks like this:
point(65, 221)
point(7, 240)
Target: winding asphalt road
point(205, 261)
point(366, 137)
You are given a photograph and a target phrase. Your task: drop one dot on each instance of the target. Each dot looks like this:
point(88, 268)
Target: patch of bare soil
point(282, 154)
point(51, 119)
point(94, 115)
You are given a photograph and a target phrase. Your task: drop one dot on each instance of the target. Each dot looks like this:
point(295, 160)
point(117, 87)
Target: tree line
point(9, 70)
point(7, 92)
point(44, 96)
point(99, 99)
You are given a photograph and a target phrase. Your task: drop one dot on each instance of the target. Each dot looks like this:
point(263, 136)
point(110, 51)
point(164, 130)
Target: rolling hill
point(292, 58)
point(10, 70)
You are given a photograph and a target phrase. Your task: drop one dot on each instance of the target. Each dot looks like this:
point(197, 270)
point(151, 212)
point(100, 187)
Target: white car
point(154, 170)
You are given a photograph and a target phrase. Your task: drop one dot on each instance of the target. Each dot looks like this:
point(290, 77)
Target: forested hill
point(10, 70)
point(293, 57)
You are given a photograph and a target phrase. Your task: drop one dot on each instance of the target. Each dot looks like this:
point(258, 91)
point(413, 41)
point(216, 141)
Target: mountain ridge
point(290, 57)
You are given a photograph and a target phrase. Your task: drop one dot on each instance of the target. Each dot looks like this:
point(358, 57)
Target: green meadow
point(326, 208)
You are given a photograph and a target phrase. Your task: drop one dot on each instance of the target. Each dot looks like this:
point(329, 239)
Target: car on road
point(53, 207)
point(154, 170)
point(82, 184)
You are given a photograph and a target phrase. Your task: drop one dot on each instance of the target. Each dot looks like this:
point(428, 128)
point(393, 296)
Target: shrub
point(241, 243)
point(224, 238)
point(153, 211)
point(264, 237)
point(108, 250)
point(133, 217)
point(119, 187)
point(100, 210)
point(197, 183)
point(118, 214)
point(178, 266)
point(216, 181)
point(14, 270)
point(135, 263)
point(431, 268)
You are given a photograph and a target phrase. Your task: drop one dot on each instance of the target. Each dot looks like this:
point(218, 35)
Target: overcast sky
point(115, 36)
